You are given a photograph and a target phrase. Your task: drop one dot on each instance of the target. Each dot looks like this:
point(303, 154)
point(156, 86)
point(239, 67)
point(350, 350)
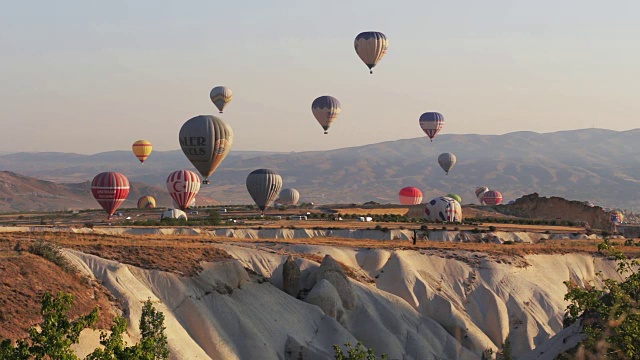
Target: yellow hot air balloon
point(142, 149)
point(146, 202)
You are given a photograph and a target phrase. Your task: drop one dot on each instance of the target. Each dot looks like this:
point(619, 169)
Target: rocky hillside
point(286, 299)
point(601, 166)
point(534, 206)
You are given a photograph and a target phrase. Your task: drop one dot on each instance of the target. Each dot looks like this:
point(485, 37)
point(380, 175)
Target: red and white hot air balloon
point(492, 197)
point(410, 196)
point(183, 186)
point(110, 189)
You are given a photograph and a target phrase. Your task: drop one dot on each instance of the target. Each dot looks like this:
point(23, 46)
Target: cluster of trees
point(57, 333)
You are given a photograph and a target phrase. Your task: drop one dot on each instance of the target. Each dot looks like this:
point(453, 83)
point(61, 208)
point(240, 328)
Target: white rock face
point(326, 297)
point(419, 304)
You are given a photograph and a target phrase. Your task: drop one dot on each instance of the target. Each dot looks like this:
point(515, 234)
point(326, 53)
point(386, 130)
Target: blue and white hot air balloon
point(371, 46)
point(431, 123)
point(325, 109)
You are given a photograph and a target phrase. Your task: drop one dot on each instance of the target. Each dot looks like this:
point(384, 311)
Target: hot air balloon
point(480, 191)
point(206, 141)
point(264, 186)
point(410, 195)
point(142, 149)
point(371, 46)
point(183, 185)
point(443, 209)
point(173, 214)
point(146, 202)
point(616, 217)
point(111, 190)
point(326, 110)
point(191, 205)
point(455, 197)
point(289, 196)
point(447, 161)
point(431, 123)
point(492, 197)
point(220, 96)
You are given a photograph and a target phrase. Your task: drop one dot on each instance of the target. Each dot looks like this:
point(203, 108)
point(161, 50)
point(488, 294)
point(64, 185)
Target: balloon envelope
point(492, 197)
point(264, 186)
point(110, 189)
point(431, 123)
point(142, 149)
point(410, 196)
point(455, 197)
point(371, 46)
point(183, 186)
point(146, 202)
point(326, 110)
point(173, 214)
point(480, 191)
point(206, 141)
point(443, 209)
point(617, 217)
point(220, 96)
point(447, 161)
point(289, 196)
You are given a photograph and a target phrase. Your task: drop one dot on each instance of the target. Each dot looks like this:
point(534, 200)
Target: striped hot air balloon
point(326, 110)
point(289, 196)
point(492, 197)
point(183, 186)
point(146, 202)
point(142, 149)
point(431, 123)
point(443, 209)
point(220, 97)
point(264, 186)
point(110, 189)
point(371, 46)
point(410, 195)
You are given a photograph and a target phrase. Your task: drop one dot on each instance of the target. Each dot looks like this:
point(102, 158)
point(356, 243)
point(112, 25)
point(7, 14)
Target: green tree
point(214, 217)
point(356, 353)
point(56, 335)
point(610, 316)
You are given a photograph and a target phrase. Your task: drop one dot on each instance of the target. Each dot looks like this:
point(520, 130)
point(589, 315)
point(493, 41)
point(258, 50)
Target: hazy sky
point(93, 76)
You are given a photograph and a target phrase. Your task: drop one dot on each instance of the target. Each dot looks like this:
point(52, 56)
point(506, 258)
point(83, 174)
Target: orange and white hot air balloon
point(183, 186)
point(410, 195)
point(142, 149)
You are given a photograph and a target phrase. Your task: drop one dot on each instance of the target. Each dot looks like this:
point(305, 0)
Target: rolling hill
point(601, 166)
point(23, 193)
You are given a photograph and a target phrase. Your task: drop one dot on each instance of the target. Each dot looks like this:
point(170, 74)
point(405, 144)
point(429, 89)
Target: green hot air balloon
point(447, 161)
point(455, 197)
point(264, 186)
point(206, 141)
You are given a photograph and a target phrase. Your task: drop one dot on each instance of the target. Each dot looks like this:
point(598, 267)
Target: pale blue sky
point(92, 76)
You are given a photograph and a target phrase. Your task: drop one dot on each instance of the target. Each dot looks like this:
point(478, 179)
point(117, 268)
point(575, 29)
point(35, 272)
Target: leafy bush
point(610, 316)
point(356, 353)
point(52, 339)
point(51, 252)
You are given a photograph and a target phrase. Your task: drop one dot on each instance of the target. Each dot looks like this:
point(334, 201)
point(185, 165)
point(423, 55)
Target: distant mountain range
point(23, 193)
point(601, 166)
